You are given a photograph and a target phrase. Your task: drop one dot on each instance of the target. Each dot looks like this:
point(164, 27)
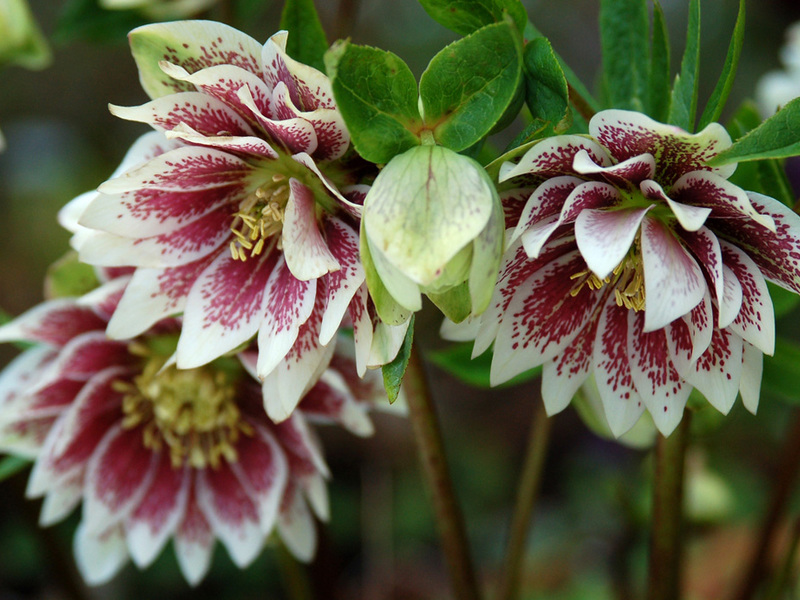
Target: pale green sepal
point(388, 309)
point(425, 206)
point(487, 255)
point(21, 41)
point(192, 45)
point(405, 292)
point(455, 303)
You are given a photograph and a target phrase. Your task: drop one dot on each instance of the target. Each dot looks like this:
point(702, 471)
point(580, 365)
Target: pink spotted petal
point(661, 388)
point(118, 475)
point(231, 512)
point(304, 249)
point(99, 555)
point(622, 404)
point(22, 373)
point(302, 446)
point(562, 376)
point(515, 269)
point(194, 540)
point(673, 281)
point(105, 298)
point(554, 156)
point(331, 401)
point(185, 169)
point(630, 171)
point(225, 307)
point(308, 88)
point(333, 138)
point(54, 323)
point(752, 369)
point(732, 297)
point(289, 303)
point(756, 319)
point(62, 500)
point(689, 337)
point(199, 111)
point(152, 295)
point(690, 217)
point(725, 199)
point(342, 284)
point(296, 135)
point(776, 253)
point(223, 82)
point(244, 145)
point(605, 236)
point(160, 511)
point(296, 526)
point(704, 245)
point(542, 319)
point(190, 243)
point(718, 371)
point(88, 353)
point(627, 134)
point(262, 470)
point(286, 384)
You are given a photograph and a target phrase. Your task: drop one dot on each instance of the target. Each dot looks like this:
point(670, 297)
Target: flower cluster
point(155, 452)
point(633, 261)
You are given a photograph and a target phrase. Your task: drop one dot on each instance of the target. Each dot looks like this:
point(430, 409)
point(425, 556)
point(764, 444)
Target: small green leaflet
point(306, 42)
point(69, 277)
point(624, 40)
point(466, 16)
point(394, 371)
point(777, 137)
point(683, 107)
point(11, 465)
point(546, 89)
point(658, 75)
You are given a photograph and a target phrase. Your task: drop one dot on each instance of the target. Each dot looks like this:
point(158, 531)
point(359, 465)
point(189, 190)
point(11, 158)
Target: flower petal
point(627, 133)
point(308, 88)
point(673, 282)
point(194, 541)
point(562, 376)
point(546, 200)
point(89, 353)
point(295, 134)
point(622, 404)
point(341, 285)
point(752, 369)
point(99, 555)
point(553, 157)
point(630, 171)
point(542, 318)
point(245, 145)
point(718, 371)
point(54, 322)
point(661, 388)
point(732, 297)
point(225, 307)
point(705, 247)
point(605, 236)
point(296, 526)
point(690, 217)
point(331, 401)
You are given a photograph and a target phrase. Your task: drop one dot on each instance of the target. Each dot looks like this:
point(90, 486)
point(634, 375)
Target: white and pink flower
point(158, 453)
point(631, 260)
point(240, 212)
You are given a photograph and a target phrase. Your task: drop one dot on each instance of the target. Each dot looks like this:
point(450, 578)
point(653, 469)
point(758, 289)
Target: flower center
point(259, 218)
point(191, 412)
point(627, 278)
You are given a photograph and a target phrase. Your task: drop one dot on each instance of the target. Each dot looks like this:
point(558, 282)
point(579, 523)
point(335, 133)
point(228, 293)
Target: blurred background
point(590, 535)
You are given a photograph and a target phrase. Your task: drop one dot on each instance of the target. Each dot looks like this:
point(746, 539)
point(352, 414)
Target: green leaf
point(11, 465)
point(683, 107)
point(783, 301)
point(469, 84)
point(85, 20)
point(723, 88)
point(546, 88)
point(624, 41)
point(658, 75)
point(780, 371)
point(306, 42)
point(777, 137)
point(377, 96)
point(69, 277)
point(394, 371)
point(457, 360)
point(466, 16)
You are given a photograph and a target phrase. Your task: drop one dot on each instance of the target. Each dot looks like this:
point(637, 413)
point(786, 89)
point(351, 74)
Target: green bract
point(432, 224)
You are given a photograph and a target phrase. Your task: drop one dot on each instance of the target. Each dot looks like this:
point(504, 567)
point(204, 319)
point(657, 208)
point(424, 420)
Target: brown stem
point(784, 483)
point(580, 104)
point(294, 576)
point(666, 533)
point(345, 18)
point(449, 519)
point(526, 503)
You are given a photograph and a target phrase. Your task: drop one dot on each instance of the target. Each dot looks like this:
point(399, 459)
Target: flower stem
point(449, 519)
point(580, 104)
point(666, 548)
point(783, 578)
point(526, 502)
point(784, 483)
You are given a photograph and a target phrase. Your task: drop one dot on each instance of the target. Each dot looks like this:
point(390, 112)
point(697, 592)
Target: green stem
point(449, 519)
point(580, 104)
point(527, 495)
point(786, 474)
point(666, 548)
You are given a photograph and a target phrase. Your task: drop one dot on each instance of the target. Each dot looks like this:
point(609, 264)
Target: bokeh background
point(590, 534)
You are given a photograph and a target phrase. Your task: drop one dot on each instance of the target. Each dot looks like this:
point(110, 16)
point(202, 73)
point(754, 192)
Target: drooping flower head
point(634, 261)
point(158, 453)
point(233, 211)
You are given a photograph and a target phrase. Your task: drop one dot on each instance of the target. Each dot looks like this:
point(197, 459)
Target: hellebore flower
point(635, 262)
point(155, 452)
point(234, 218)
point(432, 224)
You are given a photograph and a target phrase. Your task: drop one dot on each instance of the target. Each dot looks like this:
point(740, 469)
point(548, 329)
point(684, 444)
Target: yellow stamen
point(627, 278)
point(259, 218)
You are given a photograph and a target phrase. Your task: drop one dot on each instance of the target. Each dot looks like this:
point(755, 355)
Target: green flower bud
point(433, 225)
